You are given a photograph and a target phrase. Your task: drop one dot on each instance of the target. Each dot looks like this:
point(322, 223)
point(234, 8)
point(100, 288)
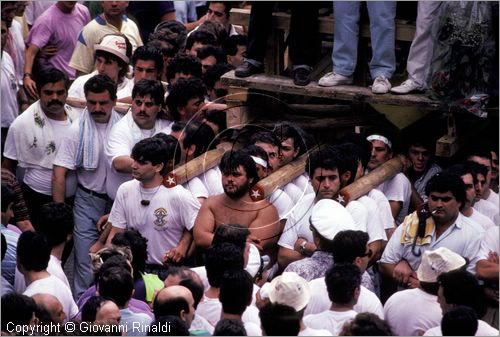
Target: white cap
point(114, 44)
point(328, 217)
point(290, 289)
point(438, 261)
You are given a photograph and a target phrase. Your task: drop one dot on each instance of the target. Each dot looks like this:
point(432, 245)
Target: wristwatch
point(302, 248)
point(30, 75)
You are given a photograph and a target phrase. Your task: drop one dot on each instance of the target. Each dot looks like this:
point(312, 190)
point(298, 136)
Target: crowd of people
point(106, 104)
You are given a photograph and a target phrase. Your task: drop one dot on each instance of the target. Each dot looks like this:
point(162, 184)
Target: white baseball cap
point(290, 289)
point(438, 261)
point(114, 44)
point(328, 217)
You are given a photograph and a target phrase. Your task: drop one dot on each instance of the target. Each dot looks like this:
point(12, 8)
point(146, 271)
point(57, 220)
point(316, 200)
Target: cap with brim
point(115, 45)
point(328, 217)
point(438, 261)
point(290, 289)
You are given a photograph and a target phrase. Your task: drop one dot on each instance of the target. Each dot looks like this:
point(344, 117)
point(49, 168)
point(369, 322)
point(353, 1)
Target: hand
point(48, 51)
point(30, 86)
point(413, 282)
point(175, 255)
point(259, 301)
point(493, 257)
point(214, 106)
point(402, 272)
point(102, 223)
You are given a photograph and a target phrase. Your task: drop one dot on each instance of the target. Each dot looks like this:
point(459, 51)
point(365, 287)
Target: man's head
point(150, 157)
point(138, 245)
point(479, 173)
point(9, 9)
point(219, 11)
point(465, 171)
point(351, 246)
point(235, 234)
point(343, 282)
point(420, 152)
point(292, 140)
point(209, 56)
point(215, 89)
point(366, 324)
point(220, 258)
point(112, 56)
point(172, 144)
point(100, 94)
point(348, 162)
point(33, 252)
point(494, 164)
point(381, 150)
point(65, 6)
point(183, 66)
point(322, 166)
point(235, 48)
point(187, 278)
point(482, 156)
point(459, 321)
point(147, 102)
point(147, 63)
point(197, 40)
point(290, 289)
point(260, 158)
point(17, 309)
point(175, 300)
point(194, 139)
point(8, 197)
point(269, 143)
point(230, 327)
point(186, 97)
point(236, 291)
point(49, 305)
point(116, 283)
point(99, 308)
point(216, 119)
point(114, 9)
point(279, 320)
point(56, 223)
point(239, 173)
point(52, 86)
point(446, 196)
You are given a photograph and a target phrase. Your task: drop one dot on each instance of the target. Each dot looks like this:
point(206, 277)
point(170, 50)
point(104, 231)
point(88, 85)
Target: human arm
point(59, 183)
point(204, 225)
point(395, 207)
point(10, 164)
point(123, 164)
point(114, 230)
point(267, 228)
point(179, 253)
point(287, 255)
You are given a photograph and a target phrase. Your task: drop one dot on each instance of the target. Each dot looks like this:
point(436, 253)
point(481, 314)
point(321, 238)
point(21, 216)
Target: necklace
point(146, 202)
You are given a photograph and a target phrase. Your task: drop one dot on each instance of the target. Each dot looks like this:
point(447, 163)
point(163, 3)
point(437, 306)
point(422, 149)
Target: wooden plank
point(325, 122)
point(280, 84)
point(281, 21)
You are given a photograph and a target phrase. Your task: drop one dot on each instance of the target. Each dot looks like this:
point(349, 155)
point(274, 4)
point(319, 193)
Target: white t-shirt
point(374, 227)
point(319, 302)
point(314, 332)
point(332, 321)
point(94, 180)
point(212, 179)
point(162, 222)
point(211, 308)
point(488, 209)
point(16, 31)
point(398, 189)
point(40, 178)
point(384, 208)
point(359, 214)
point(196, 187)
point(294, 192)
point(483, 329)
point(490, 243)
point(10, 109)
point(282, 202)
point(53, 268)
point(493, 197)
point(412, 310)
point(302, 182)
point(122, 138)
point(252, 329)
point(54, 286)
point(481, 219)
point(297, 223)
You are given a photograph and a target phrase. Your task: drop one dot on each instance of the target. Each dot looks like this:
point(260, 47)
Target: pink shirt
point(60, 29)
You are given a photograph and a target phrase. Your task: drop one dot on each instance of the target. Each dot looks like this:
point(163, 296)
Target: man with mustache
point(239, 175)
point(82, 151)
point(34, 138)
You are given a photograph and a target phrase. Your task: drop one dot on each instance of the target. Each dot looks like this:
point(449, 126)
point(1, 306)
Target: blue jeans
point(87, 210)
point(346, 33)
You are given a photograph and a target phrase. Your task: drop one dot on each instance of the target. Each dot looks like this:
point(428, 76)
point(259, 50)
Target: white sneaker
point(332, 79)
point(381, 85)
point(406, 87)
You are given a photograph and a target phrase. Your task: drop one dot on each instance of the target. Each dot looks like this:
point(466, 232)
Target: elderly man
point(35, 137)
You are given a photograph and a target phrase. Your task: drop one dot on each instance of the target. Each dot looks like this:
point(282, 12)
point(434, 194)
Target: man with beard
point(164, 216)
point(34, 138)
point(83, 151)
point(239, 174)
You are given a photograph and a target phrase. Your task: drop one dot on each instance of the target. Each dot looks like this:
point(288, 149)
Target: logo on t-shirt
point(161, 219)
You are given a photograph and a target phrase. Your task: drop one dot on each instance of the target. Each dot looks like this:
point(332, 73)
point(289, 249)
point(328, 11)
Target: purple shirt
point(57, 28)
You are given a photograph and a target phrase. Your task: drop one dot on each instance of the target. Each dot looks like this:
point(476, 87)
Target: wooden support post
point(447, 145)
point(237, 114)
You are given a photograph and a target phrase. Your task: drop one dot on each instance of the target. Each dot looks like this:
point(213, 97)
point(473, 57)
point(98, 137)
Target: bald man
point(52, 307)
point(175, 300)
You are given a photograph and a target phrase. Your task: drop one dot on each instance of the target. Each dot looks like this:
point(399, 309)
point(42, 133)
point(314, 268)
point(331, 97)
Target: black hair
point(279, 320)
point(200, 36)
point(428, 143)
point(92, 306)
point(363, 147)
point(110, 56)
point(349, 244)
point(367, 324)
point(430, 287)
point(231, 233)
point(182, 91)
point(183, 64)
point(117, 283)
point(176, 326)
point(342, 280)
point(214, 73)
point(443, 182)
point(198, 134)
point(56, 222)
point(479, 150)
point(232, 43)
point(138, 245)
point(33, 251)
point(210, 50)
point(8, 197)
point(196, 289)
point(17, 309)
point(285, 130)
point(153, 150)
point(173, 32)
point(462, 169)
point(220, 258)
point(476, 169)
point(459, 321)
point(217, 117)
point(347, 160)
point(236, 291)
point(4, 246)
point(146, 87)
point(171, 306)
point(323, 158)
point(50, 75)
point(100, 83)
point(229, 327)
point(462, 288)
point(166, 48)
point(171, 142)
point(228, 5)
point(231, 160)
point(149, 53)
point(264, 137)
point(256, 151)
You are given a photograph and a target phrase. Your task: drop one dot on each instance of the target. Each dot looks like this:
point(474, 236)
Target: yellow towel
point(410, 227)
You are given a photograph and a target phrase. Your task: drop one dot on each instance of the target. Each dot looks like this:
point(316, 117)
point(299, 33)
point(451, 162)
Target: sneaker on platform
point(332, 79)
point(406, 87)
point(381, 85)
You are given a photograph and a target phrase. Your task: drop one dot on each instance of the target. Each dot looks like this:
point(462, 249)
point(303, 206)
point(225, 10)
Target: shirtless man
point(235, 205)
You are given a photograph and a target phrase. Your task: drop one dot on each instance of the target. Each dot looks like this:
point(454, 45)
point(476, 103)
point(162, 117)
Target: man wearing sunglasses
point(446, 227)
